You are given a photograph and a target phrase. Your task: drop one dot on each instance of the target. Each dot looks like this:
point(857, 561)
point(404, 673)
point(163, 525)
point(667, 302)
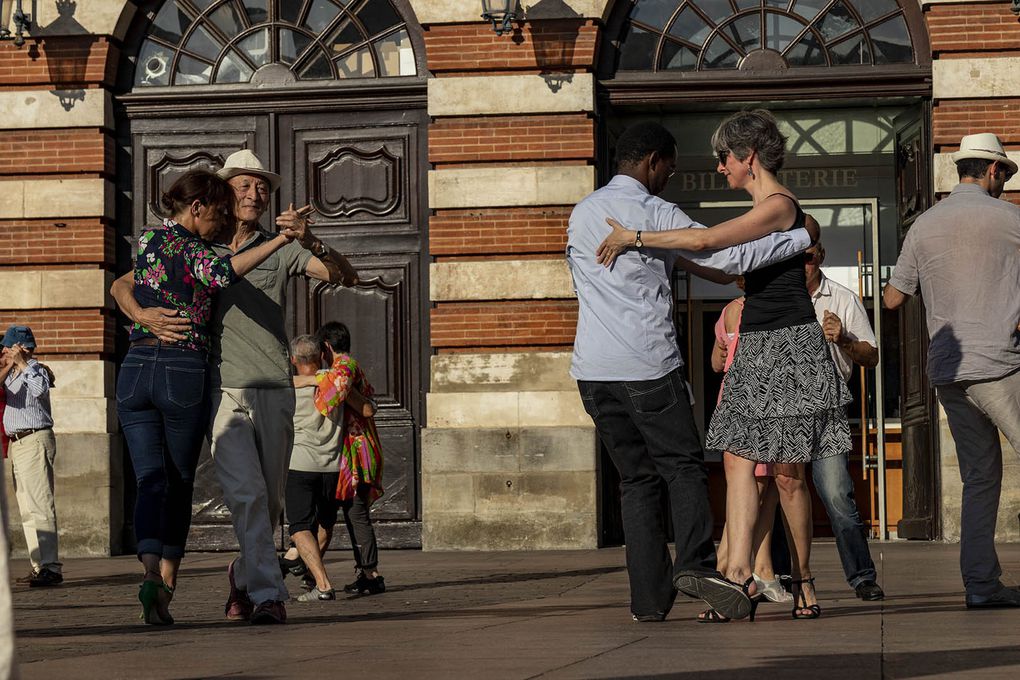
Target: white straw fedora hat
point(244, 162)
point(984, 145)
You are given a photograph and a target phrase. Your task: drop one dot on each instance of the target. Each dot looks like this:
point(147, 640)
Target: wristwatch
point(637, 240)
point(320, 249)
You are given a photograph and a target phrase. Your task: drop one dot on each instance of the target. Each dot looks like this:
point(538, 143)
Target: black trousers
point(359, 526)
point(648, 428)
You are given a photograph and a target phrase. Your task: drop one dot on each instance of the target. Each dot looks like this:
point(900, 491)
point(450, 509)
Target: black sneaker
point(46, 578)
point(869, 591)
point(296, 566)
point(366, 586)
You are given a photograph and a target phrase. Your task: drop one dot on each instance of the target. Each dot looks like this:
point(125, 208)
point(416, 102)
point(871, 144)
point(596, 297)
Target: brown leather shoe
point(46, 578)
point(269, 612)
point(238, 607)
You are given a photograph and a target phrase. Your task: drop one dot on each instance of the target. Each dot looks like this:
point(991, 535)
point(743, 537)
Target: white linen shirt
point(625, 327)
point(845, 304)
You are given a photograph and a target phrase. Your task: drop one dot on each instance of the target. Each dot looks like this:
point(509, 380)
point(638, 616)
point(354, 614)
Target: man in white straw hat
point(964, 254)
point(253, 394)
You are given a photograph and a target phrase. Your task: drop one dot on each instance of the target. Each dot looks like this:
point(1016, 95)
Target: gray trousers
point(977, 411)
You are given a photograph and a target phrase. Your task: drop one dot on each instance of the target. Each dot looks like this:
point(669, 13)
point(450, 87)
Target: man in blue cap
point(29, 426)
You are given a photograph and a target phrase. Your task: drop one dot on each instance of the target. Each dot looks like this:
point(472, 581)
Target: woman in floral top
point(162, 392)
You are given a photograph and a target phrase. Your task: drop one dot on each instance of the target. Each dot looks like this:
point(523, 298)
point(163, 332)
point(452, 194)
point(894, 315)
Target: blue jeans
point(836, 489)
point(163, 405)
point(648, 428)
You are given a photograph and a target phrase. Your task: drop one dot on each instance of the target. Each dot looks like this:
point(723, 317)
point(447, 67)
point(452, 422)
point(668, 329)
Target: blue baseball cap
point(19, 335)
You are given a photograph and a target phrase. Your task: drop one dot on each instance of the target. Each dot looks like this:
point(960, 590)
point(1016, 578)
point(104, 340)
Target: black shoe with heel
point(814, 610)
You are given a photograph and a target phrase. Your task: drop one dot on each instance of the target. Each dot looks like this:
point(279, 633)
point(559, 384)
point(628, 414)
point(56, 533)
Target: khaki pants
point(252, 435)
point(32, 474)
point(8, 660)
point(977, 411)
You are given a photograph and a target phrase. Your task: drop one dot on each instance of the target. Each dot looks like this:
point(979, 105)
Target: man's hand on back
point(164, 323)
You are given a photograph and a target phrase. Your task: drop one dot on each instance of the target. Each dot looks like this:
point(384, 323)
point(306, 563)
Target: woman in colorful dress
point(162, 388)
point(783, 401)
point(361, 463)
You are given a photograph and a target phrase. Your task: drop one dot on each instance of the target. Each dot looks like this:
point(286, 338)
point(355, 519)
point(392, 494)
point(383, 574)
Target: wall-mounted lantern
point(22, 21)
point(1015, 7)
point(500, 13)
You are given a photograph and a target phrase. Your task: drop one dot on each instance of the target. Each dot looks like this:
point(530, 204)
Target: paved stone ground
point(517, 615)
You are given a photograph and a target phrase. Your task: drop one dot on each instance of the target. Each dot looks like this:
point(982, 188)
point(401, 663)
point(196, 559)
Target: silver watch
point(320, 249)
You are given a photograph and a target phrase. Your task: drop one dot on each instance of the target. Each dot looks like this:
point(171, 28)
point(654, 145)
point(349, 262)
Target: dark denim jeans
point(836, 489)
point(648, 428)
point(163, 405)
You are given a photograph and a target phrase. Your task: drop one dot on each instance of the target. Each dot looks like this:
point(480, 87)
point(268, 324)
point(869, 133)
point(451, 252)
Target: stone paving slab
point(560, 615)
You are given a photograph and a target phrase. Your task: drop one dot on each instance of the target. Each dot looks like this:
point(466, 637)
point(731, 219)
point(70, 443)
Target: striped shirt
point(28, 399)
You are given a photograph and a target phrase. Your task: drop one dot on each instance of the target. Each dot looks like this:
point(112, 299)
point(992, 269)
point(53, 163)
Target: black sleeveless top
point(776, 296)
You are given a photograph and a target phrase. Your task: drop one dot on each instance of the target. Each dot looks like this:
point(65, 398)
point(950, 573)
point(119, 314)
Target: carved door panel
point(362, 175)
point(917, 400)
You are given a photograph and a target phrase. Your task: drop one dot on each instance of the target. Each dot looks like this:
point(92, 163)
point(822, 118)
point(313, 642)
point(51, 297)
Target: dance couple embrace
point(783, 401)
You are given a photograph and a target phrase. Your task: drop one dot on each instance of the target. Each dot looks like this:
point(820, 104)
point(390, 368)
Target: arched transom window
point(201, 42)
point(700, 35)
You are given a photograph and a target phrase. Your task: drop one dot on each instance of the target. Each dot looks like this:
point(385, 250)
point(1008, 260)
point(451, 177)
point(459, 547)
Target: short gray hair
point(305, 349)
point(748, 131)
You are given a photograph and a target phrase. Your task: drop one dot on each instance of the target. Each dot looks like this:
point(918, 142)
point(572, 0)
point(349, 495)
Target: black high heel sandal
point(814, 610)
point(755, 599)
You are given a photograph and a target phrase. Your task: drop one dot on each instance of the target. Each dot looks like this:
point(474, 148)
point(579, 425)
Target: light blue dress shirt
point(625, 325)
point(28, 399)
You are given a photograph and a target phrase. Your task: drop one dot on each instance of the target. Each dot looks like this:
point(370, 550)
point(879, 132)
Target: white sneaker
point(772, 590)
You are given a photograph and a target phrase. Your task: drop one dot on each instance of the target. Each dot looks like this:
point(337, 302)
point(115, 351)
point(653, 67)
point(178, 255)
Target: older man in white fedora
point(253, 394)
point(964, 254)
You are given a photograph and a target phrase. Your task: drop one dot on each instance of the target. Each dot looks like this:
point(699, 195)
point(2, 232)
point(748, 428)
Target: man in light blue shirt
point(627, 364)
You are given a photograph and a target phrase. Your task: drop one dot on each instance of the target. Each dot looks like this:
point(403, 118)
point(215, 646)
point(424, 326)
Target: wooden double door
point(364, 176)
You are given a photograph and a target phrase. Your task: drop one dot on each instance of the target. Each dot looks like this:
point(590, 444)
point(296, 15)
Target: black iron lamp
point(500, 13)
point(1015, 7)
point(22, 21)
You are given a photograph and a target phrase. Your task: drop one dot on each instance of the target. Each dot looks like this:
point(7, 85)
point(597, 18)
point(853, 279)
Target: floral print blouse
point(178, 270)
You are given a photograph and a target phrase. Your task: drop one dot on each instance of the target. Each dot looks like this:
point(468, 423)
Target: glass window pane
point(317, 69)
point(691, 27)
point(256, 47)
point(378, 16)
point(258, 10)
point(720, 55)
point(171, 23)
point(780, 30)
point(202, 5)
point(290, 10)
point(807, 52)
point(228, 19)
point(782, 4)
point(346, 37)
point(892, 42)
point(637, 50)
point(655, 13)
point(192, 72)
point(204, 44)
point(678, 58)
point(356, 65)
point(809, 9)
point(233, 69)
point(746, 32)
point(836, 22)
point(292, 44)
point(396, 56)
point(851, 51)
point(321, 13)
point(873, 9)
point(748, 4)
point(153, 66)
point(717, 10)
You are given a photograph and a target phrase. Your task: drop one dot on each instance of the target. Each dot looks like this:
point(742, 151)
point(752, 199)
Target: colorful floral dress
point(178, 270)
point(361, 458)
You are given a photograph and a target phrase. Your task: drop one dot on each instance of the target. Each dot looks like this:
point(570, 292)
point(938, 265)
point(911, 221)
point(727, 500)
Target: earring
point(750, 171)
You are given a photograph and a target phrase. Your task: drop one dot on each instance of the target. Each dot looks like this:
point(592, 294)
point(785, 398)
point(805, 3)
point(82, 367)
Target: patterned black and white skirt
point(783, 400)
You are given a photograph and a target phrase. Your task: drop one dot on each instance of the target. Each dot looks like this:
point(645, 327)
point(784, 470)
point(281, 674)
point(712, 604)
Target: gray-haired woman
point(783, 401)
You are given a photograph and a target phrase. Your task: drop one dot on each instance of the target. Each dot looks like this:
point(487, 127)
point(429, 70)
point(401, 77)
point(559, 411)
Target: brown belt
point(18, 436)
